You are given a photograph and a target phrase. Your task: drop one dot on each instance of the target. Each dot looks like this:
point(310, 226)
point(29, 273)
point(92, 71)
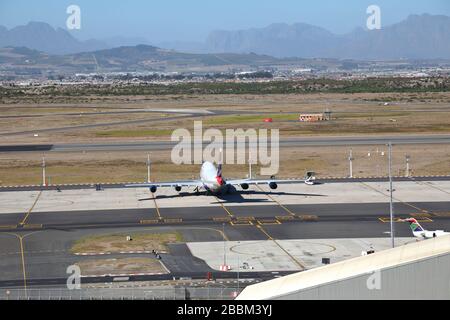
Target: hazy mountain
point(418, 37)
point(41, 36)
point(126, 59)
point(279, 40)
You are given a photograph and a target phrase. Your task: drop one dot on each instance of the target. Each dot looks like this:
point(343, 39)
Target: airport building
point(417, 271)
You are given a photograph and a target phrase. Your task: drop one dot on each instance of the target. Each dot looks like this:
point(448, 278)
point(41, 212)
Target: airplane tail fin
point(414, 225)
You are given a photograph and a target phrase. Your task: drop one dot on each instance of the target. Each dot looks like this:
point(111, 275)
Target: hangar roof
point(347, 269)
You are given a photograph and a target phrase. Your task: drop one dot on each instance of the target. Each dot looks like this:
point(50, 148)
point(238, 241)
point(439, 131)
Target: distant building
point(311, 117)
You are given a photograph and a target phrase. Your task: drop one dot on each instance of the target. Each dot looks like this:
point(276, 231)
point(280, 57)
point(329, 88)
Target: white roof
point(347, 269)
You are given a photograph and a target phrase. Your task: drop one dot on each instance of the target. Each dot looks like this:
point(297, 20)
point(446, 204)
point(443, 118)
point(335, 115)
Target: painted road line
point(310, 217)
point(285, 218)
point(225, 208)
point(394, 198)
point(156, 206)
point(251, 218)
point(268, 222)
point(149, 221)
point(297, 262)
point(31, 209)
point(32, 226)
point(8, 227)
point(276, 201)
point(222, 219)
point(442, 214)
point(174, 220)
point(420, 215)
point(241, 223)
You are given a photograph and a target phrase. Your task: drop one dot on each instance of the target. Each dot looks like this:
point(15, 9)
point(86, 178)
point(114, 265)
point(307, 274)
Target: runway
point(284, 143)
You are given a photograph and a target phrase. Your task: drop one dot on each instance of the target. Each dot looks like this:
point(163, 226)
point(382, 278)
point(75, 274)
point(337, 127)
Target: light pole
point(239, 267)
point(224, 250)
point(391, 207)
point(43, 171)
point(350, 159)
point(407, 165)
point(250, 165)
point(148, 168)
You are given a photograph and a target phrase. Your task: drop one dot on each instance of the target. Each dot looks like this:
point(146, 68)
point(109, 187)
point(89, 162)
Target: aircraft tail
point(414, 225)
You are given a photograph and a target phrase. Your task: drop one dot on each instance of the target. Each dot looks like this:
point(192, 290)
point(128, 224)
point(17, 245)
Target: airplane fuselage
point(212, 182)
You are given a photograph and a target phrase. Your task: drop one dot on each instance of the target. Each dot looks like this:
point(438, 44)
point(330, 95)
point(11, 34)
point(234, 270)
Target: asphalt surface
point(168, 145)
point(47, 237)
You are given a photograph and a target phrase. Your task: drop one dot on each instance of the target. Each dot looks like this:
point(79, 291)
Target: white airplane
point(212, 181)
point(421, 233)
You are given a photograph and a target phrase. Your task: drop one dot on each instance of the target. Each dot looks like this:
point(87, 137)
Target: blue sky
point(192, 20)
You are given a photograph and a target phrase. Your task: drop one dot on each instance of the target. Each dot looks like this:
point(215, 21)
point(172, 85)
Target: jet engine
point(244, 186)
point(273, 185)
point(153, 189)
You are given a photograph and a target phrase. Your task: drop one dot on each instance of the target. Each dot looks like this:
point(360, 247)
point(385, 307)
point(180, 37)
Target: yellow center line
point(281, 247)
point(394, 198)
point(156, 206)
point(276, 201)
point(31, 209)
point(224, 208)
point(23, 266)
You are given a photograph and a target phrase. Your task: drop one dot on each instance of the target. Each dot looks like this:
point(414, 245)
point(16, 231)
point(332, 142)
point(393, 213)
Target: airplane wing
point(268, 181)
point(189, 183)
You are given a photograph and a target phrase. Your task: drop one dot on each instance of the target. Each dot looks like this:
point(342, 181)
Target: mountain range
point(418, 37)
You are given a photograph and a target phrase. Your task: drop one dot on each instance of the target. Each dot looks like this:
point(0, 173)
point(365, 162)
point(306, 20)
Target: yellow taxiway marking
point(268, 222)
point(22, 253)
point(281, 247)
point(308, 218)
point(241, 223)
point(394, 198)
point(442, 214)
point(174, 220)
point(222, 219)
point(8, 227)
point(155, 221)
point(32, 226)
point(224, 208)
point(276, 201)
point(31, 209)
point(285, 218)
point(156, 207)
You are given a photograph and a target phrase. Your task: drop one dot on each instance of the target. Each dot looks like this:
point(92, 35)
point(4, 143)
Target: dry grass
point(95, 167)
point(115, 243)
point(121, 266)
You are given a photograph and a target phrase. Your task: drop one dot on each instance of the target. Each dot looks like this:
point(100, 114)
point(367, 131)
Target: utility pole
point(148, 168)
point(350, 159)
point(43, 171)
point(391, 207)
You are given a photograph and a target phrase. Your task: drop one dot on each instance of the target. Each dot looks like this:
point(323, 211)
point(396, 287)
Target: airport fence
point(148, 293)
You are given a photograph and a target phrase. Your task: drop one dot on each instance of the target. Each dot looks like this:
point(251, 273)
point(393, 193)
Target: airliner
point(421, 233)
point(213, 182)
